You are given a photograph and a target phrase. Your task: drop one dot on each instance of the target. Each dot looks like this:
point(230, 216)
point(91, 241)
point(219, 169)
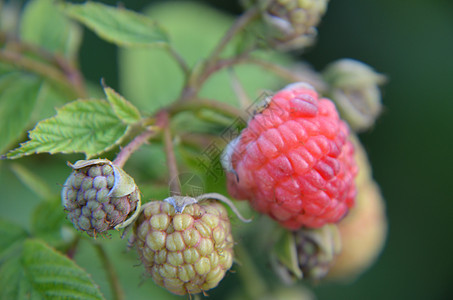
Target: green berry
point(99, 196)
point(188, 251)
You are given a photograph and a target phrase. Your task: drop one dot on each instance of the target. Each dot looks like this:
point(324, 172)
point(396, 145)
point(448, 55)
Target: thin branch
point(73, 75)
point(41, 69)
point(115, 286)
point(288, 74)
point(175, 188)
point(67, 68)
point(72, 247)
point(283, 72)
point(179, 59)
point(238, 25)
point(221, 64)
point(133, 146)
point(196, 104)
point(239, 90)
point(198, 75)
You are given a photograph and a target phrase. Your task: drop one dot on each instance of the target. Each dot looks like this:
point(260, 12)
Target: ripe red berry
point(294, 161)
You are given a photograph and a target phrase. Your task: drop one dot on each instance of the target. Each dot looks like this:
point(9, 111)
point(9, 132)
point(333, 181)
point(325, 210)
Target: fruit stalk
point(115, 286)
point(175, 188)
point(133, 146)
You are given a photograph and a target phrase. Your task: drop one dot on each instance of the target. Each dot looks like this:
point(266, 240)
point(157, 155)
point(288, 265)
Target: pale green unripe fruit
point(186, 251)
point(354, 87)
point(99, 196)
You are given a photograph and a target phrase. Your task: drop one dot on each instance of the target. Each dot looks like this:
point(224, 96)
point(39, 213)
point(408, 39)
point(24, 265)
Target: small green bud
point(354, 87)
point(292, 23)
point(306, 253)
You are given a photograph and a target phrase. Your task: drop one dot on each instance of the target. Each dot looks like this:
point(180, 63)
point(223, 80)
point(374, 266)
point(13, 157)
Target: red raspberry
point(294, 160)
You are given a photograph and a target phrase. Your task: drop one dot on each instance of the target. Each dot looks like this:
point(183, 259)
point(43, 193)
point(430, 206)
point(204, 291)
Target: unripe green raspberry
point(354, 87)
point(99, 196)
point(292, 23)
point(185, 248)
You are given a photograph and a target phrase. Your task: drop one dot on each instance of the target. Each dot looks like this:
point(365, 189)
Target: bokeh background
point(410, 146)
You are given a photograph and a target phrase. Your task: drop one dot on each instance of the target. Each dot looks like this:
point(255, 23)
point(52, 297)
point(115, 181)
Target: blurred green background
point(410, 147)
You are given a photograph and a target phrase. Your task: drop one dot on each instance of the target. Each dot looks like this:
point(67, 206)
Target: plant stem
point(70, 252)
point(65, 68)
point(196, 104)
point(238, 25)
point(199, 75)
point(175, 188)
point(288, 74)
point(179, 59)
point(133, 146)
point(115, 286)
point(41, 69)
point(244, 100)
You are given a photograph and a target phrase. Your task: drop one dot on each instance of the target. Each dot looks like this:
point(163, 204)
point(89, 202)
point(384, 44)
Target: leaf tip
point(103, 84)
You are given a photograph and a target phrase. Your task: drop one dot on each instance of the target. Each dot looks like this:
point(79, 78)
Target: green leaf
point(118, 25)
point(5, 68)
point(10, 234)
point(43, 24)
point(18, 95)
point(125, 110)
point(53, 275)
point(13, 281)
point(47, 220)
point(152, 79)
point(32, 181)
point(87, 126)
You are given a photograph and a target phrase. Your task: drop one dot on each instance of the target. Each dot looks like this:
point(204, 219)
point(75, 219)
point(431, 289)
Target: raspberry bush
point(211, 110)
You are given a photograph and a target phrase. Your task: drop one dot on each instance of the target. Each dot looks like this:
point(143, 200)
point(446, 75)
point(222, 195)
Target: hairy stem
point(133, 146)
point(115, 286)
